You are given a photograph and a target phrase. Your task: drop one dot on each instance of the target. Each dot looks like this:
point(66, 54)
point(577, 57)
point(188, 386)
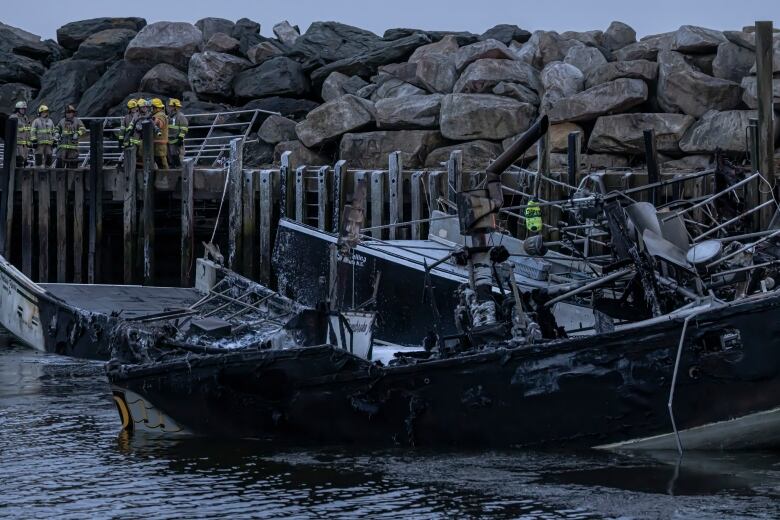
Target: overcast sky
point(647, 16)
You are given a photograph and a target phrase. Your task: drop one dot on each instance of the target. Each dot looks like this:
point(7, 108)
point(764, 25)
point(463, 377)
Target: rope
point(221, 203)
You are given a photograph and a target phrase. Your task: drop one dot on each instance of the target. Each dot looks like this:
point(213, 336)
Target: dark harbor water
point(61, 456)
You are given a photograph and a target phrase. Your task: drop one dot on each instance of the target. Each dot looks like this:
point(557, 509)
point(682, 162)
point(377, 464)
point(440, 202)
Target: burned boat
point(683, 351)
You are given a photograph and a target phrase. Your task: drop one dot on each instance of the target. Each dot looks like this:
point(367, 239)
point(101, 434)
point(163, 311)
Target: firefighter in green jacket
point(177, 130)
point(126, 134)
point(42, 136)
point(22, 133)
point(69, 130)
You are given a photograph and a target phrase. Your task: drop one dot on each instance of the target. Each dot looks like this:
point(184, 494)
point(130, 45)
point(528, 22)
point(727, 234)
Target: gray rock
point(589, 38)
point(257, 153)
point(65, 82)
point(703, 62)
point(732, 62)
point(623, 134)
point(211, 26)
point(276, 77)
point(409, 112)
point(10, 93)
point(371, 149)
point(477, 155)
point(121, 79)
point(647, 48)
point(221, 42)
point(262, 52)
point(192, 107)
point(492, 49)
point(462, 37)
point(368, 92)
point(775, 59)
point(518, 92)
point(300, 155)
point(406, 72)
point(688, 162)
point(691, 39)
point(606, 98)
point(436, 73)
point(506, 33)
point(750, 91)
point(108, 45)
point(544, 47)
point(587, 59)
point(446, 47)
point(483, 75)
point(335, 118)
point(56, 52)
point(637, 69)
point(466, 117)
point(276, 129)
point(742, 39)
point(618, 35)
point(560, 80)
point(167, 42)
point(718, 130)
point(286, 33)
point(20, 69)
point(559, 139)
point(325, 42)
point(391, 87)
point(681, 88)
point(19, 41)
point(338, 84)
point(166, 80)
point(212, 73)
point(247, 32)
point(603, 161)
point(72, 34)
point(366, 63)
point(291, 108)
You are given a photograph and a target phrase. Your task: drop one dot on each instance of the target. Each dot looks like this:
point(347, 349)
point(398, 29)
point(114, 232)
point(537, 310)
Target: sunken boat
point(683, 351)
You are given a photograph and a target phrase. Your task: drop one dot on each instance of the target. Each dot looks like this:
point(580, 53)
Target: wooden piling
point(323, 198)
point(78, 226)
point(148, 202)
point(187, 222)
point(7, 187)
point(339, 180)
point(434, 190)
point(266, 200)
point(766, 140)
point(454, 178)
point(418, 202)
point(377, 203)
point(129, 216)
point(300, 178)
point(396, 190)
point(235, 185)
point(248, 223)
point(574, 151)
point(26, 184)
point(651, 159)
point(287, 187)
point(44, 218)
point(62, 225)
point(752, 189)
point(95, 199)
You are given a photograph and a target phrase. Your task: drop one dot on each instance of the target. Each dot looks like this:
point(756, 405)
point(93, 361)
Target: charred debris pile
point(344, 92)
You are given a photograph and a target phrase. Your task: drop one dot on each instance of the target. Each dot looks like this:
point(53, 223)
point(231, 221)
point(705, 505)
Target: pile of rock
point(347, 93)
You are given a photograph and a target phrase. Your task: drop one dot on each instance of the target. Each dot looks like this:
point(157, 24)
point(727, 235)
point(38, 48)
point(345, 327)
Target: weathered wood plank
point(129, 216)
point(339, 180)
point(78, 226)
point(418, 203)
point(323, 198)
point(62, 226)
point(28, 205)
point(396, 193)
point(148, 204)
point(248, 223)
point(266, 188)
point(187, 222)
point(235, 186)
point(7, 187)
point(287, 187)
point(95, 199)
point(454, 177)
point(377, 203)
point(300, 195)
point(44, 218)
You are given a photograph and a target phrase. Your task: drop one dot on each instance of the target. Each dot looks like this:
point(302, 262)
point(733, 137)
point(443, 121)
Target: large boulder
point(409, 112)
point(719, 130)
point(276, 77)
point(750, 91)
point(326, 122)
point(462, 37)
point(20, 69)
point(165, 42)
point(545, 47)
point(108, 45)
point(606, 98)
point(276, 129)
point(506, 33)
point(326, 42)
point(559, 139)
point(10, 93)
point(71, 35)
point(732, 62)
point(366, 63)
point(682, 88)
point(286, 33)
point(482, 75)
point(647, 48)
point(300, 155)
point(338, 84)
point(435, 62)
point(65, 83)
point(466, 117)
point(257, 153)
point(289, 107)
point(390, 87)
point(165, 79)
point(623, 133)
point(19, 41)
point(371, 149)
point(405, 71)
point(588, 38)
point(619, 35)
point(587, 59)
point(221, 42)
point(637, 69)
point(477, 155)
point(211, 26)
point(262, 52)
point(691, 39)
point(518, 92)
point(121, 79)
point(560, 80)
point(492, 49)
point(247, 32)
point(446, 46)
point(212, 73)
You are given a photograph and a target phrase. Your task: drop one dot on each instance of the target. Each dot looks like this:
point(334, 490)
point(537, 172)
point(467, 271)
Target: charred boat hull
point(609, 390)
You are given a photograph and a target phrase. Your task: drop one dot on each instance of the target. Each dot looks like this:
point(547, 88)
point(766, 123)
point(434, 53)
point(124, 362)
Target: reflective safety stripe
point(22, 142)
point(69, 147)
point(45, 141)
point(24, 128)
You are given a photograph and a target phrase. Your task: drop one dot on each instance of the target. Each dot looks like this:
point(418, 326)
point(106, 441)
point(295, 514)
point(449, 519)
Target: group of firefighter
point(44, 137)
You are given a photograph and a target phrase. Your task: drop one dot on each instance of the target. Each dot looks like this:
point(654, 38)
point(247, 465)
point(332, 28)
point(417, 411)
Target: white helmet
point(20, 104)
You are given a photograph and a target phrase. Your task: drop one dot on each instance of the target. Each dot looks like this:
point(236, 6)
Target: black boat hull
point(590, 391)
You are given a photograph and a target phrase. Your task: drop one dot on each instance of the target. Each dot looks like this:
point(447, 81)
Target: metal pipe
point(743, 249)
point(589, 286)
point(711, 198)
point(731, 221)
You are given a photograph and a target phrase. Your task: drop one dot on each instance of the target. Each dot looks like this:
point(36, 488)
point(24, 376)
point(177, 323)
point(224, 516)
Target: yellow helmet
point(142, 103)
point(157, 103)
point(42, 109)
point(173, 102)
point(132, 104)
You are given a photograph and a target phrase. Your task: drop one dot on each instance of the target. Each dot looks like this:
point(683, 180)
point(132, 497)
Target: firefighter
point(160, 134)
point(177, 130)
point(68, 131)
point(137, 135)
point(125, 136)
point(42, 136)
point(22, 133)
